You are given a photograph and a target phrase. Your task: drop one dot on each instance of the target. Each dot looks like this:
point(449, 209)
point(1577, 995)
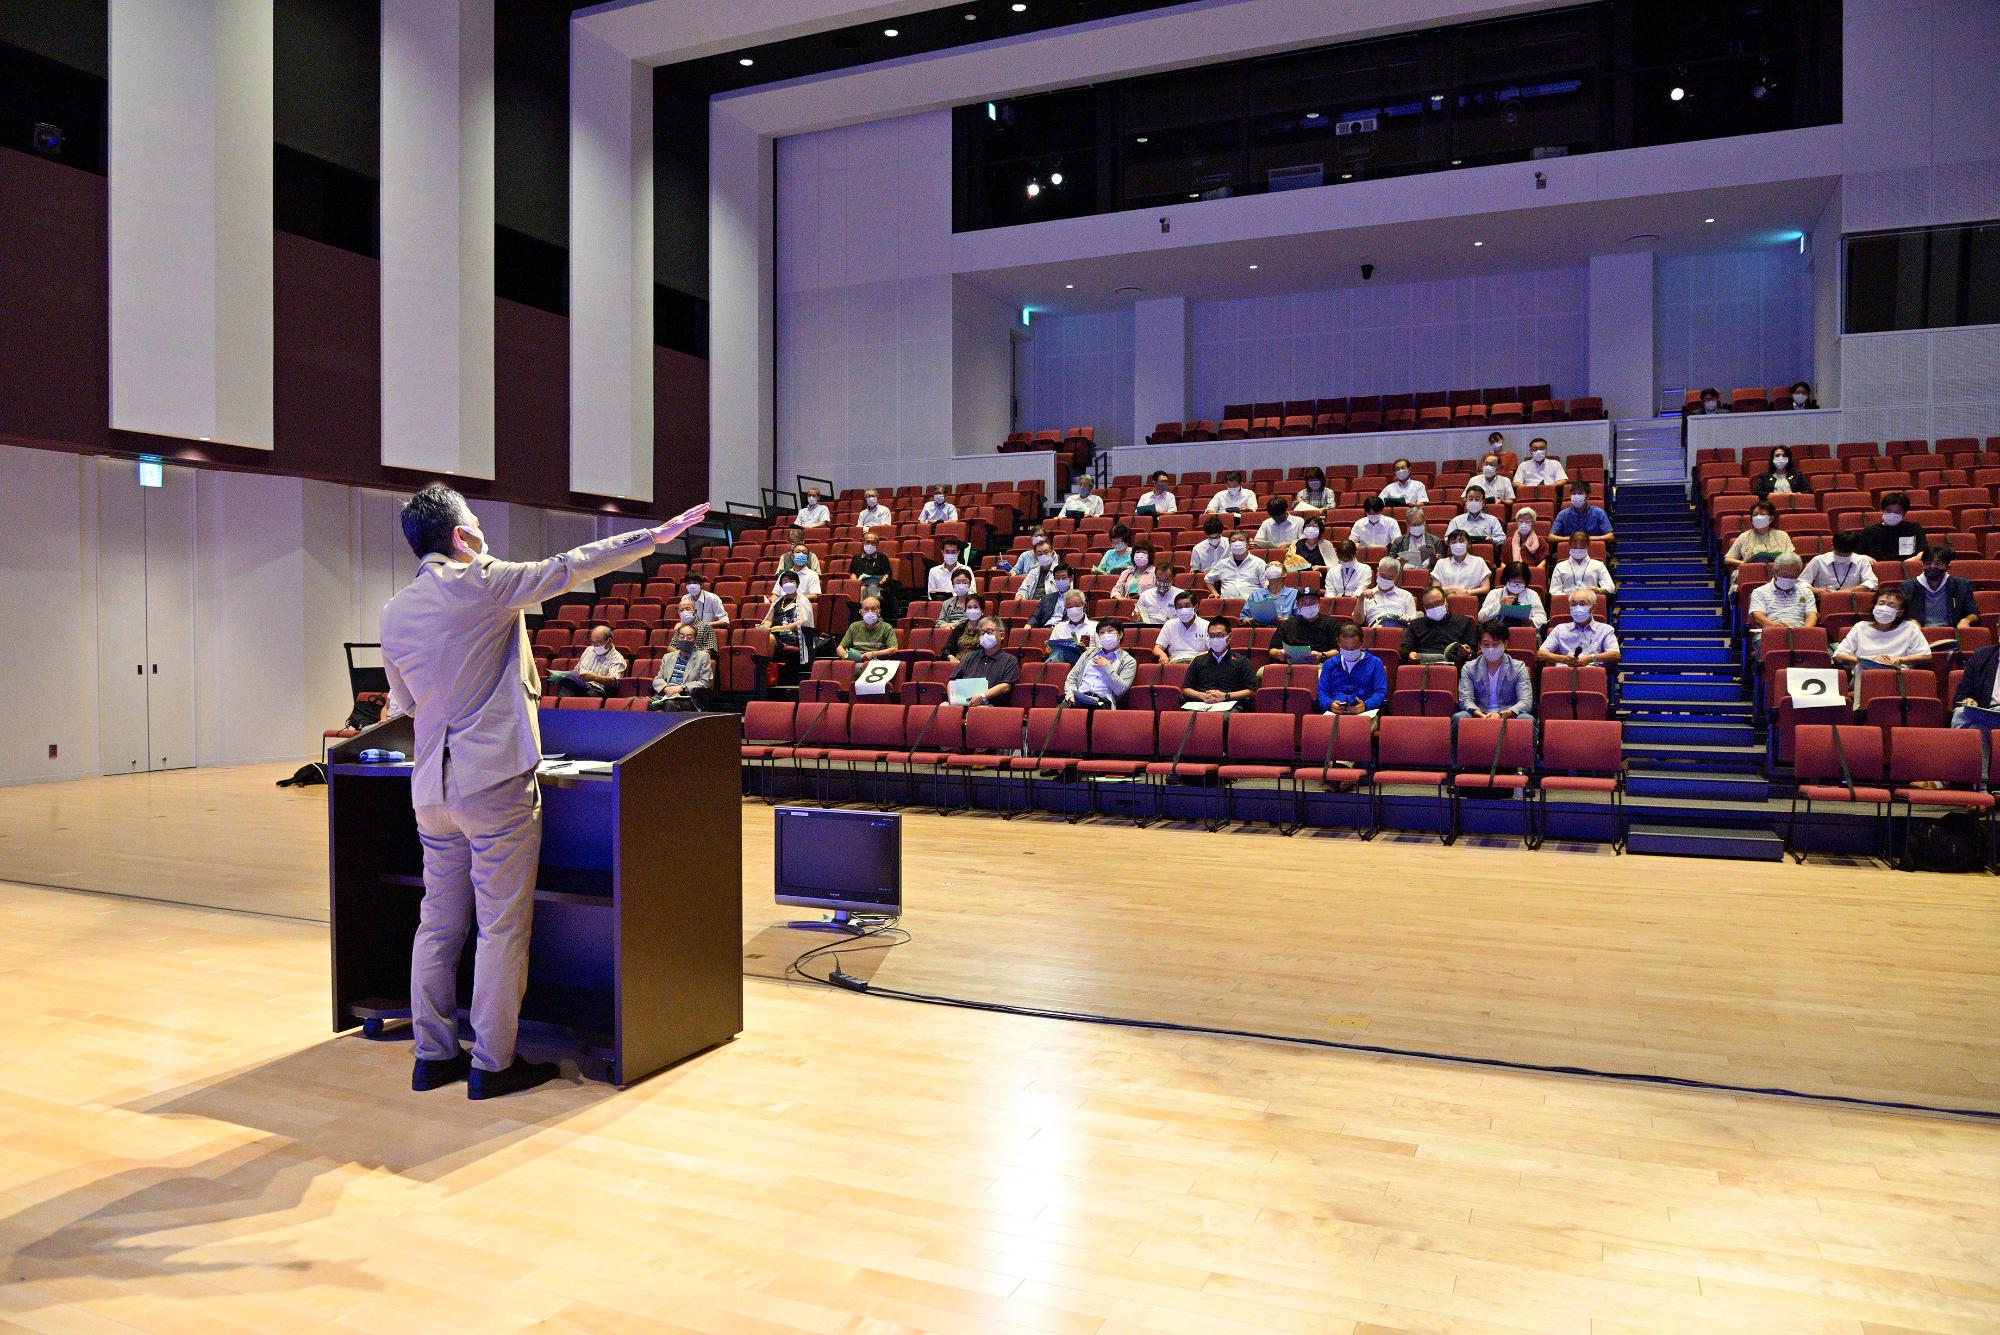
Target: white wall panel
point(1733, 319)
point(48, 595)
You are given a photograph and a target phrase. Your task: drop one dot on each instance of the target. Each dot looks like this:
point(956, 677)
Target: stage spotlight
point(1676, 93)
point(1055, 178)
point(1034, 189)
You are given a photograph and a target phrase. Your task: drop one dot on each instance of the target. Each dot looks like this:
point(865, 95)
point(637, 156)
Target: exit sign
point(152, 473)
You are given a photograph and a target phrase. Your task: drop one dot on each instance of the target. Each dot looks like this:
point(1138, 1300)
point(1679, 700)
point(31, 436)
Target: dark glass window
point(1925, 278)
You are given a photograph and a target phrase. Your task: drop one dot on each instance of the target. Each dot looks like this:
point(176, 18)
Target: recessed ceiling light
point(1708, 220)
point(1140, 140)
point(1253, 266)
point(1194, 194)
point(1479, 243)
point(746, 61)
point(1020, 9)
point(1034, 188)
point(1055, 178)
point(1312, 115)
point(970, 17)
point(1069, 287)
point(1437, 97)
point(1347, 176)
point(1456, 162)
point(891, 32)
point(1676, 93)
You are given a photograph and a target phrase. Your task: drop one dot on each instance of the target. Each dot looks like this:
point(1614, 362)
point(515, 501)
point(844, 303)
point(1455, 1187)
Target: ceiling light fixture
point(1034, 189)
point(1140, 140)
point(1676, 93)
point(1020, 9)
point(1069, 287)
point(1708, 220)
point(1458, 162)
point(1253, 266)
point(1194, 194)
point(1478, 243)
point(1347, 176)
point(1312, 115)
point(746, 62)
point(891, 32)
point(1055, 178)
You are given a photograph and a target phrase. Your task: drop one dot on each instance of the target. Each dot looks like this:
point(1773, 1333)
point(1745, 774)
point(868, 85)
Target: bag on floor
point(1950, 844)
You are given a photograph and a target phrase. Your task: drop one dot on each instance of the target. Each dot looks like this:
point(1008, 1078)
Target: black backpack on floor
point(1953, 843)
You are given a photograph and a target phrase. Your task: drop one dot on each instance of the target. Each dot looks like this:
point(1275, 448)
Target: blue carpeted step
point(1673, 755)
point(1688, 731)
point(1706, 622)
point(1647, 550)
point(1653, 595)
point(1679, 841)
point(1660, 655)
point(1720, 705)
point(1697, 785)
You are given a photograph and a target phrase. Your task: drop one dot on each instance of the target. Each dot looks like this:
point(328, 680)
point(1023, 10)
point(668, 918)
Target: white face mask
point(1885, 613)
point(1059, 585)
point(1578, 502)
point(1892, 517)
point(1108, 641)
point(1709, 405)
point(1760, 522)
point(1218, 645)
point(1491, 471)
point(1075, 614)
point(988, 640)
point(1526, 526)
point(811, 501)
point(1141, 560)
point(1184, 615)
point(1580, 556)
point(1384, 582)
point(1474, 507)
point(1798, 399)
point(694, 590)
point(1492, 653)
point(870, 618)
point(1515, 587)
point(1315, 486)
point(1458, 549)
point(1312, 535)
point(1237, 549)
point(868, 548)
point(1349, 657)
point(871, 502)
point(1436, 612)
point(1402, 475)
point(1780, 462)
point(938, 499)
point(687, 618)
point(1078, 487)
point(1540, 455)
point(962, 590)
point(1045, 560)
point(1309, 613)
point(788, 588)
point(1785, 583)
point(1579, 613)
point(950, 559)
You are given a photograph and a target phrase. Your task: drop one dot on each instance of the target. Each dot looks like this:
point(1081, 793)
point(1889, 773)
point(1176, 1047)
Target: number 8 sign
point(876, 676)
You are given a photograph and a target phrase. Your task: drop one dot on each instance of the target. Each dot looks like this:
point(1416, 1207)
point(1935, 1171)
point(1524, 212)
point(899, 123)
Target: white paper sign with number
point(876, 676)
point(1813, 686)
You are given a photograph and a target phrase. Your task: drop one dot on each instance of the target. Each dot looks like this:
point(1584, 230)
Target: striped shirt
point(602, 660)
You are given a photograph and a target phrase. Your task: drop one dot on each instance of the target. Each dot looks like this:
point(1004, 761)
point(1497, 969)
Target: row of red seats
point(1754, 399)
point(1365, 421)
point(1422, 469)
point(1454, 759)
point(959, 493)
point(1884, 768)
point(1915, 450)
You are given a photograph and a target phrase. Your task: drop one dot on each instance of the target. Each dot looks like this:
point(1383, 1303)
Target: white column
point(191, 219)
point(1621, 333)
point(742, 434)
point(1159, 364)
point(610, 270)
point(437, 236)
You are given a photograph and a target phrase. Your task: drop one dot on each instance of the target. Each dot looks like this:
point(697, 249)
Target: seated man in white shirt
point(1347, 577)
point(801, 563)
point(1374, 529)
point(1580, 570)
point(1239, 574)
point(1782, 600)
point(1539, 469)
point(1212, 548)
point(1404, 490)
point(1104, 672)
point(1489, 484)
point(1234, 498)
point(938, 509)
point(811, 513)
point(873, 514)
point(1841, 568)
point(1070, 632)
point(1159, 498)
point(1459, 571)
point(1387, 603)
point(1083, 502)
point(1280, 530)
point(597, 669)
point(938, 583)
point(1153, 592)
point(708, 608)
point(1581, 640)
point(1475, 521)
point(1183, 636)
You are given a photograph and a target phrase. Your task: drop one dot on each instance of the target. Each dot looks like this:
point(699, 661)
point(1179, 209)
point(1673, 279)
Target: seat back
point(1269, 739)
point(1123, 734)
point(1815, 756)
point(1405, 742)
point(1583, 746)
point(935, 727)
point(1946, 755)
point(1193, 735)
point(875, 725)
point(993, 729)
point(823, 724)
point(1058, 732)
point(1483, 744)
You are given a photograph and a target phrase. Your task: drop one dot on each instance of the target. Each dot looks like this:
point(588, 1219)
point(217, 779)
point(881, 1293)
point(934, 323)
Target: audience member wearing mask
point(1374, 529)
point(1137, 572)
point(1041, 570)
point(963, 605)
point(1305, 629)
point(1763, 540)
point(1070, 632)
point(1799, 399)
point(1038, 542)
point(1234, 498)
point(1418, 548)
point(1708, 404)
point(1241, 574)
point(597, 670)
point(1782, 478)
point(686, 674)
point(1580, 570)
point(1153, 593)
point(1490, 482)
point(1348, 575)
point(1183, 636)
point(874, 514)
point(707, 607)
point(1496, 445)
point(803, 565)
point(1402, 488)
point(1049, 602)
point(1461, 571)
point(1841, 568)
point(1782, 600)
point(1581, 640)
point(1314, 497)
point(962, 631)
point(1475, 520)
point(1513, 603)
point(1219, 673)
point(1313, 551)
point(1159, 499)
point(1896, 537)
point(685, 614)
point(1100, 678)
point(1492, 684)
point(1083, 502)
point(1522, 542)
point(1212, 547)
point(1885, 638)
point(938, 509)
point(1581, 514)
point(986, 661)
point(871, 565)
point(1979, 692)
point(1118, 556)
point(938, 583)
point(1540, 468)
point(1351, 680)
point(1438, 635)
point(1386, 602)
point(789, 619)
point(869, 635)
point(1936, 597)
point(1279, 529)
point(812, 513)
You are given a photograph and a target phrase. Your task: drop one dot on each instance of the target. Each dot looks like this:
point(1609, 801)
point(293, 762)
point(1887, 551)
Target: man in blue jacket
point(1937, 597)
point(1352, 681)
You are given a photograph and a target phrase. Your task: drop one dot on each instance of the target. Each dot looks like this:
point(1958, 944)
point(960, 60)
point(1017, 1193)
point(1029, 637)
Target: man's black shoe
point(433, 1074)
point(523, 1074)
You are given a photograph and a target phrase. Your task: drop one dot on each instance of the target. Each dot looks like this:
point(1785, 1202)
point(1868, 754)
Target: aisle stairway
point(1690, 734)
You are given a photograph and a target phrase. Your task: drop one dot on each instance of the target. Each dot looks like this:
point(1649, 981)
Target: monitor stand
point(841, 922)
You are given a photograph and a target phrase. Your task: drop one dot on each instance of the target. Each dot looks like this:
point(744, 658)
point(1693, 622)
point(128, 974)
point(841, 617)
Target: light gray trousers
point(481, 852)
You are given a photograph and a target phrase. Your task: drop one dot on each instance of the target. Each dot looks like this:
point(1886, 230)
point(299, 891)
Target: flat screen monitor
point(846, 861)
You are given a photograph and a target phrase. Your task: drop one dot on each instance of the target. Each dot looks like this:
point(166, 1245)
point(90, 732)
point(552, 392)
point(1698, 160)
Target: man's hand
point(1213, 697)
point(1101, 661)
point(680, 524)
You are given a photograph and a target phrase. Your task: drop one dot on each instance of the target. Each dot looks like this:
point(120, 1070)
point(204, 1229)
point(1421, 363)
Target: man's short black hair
point(430, 516)
point(1940, 552)
point(1898, 500)
point(1577, 487)
point(1494, 629)
point(1212, 525)
point(1060, 568)
point(1538, 440)
point(1214, 624)
point(1111, 623)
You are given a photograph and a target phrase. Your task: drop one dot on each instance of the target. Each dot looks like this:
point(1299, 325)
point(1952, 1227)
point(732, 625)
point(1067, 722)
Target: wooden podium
point(635, 961)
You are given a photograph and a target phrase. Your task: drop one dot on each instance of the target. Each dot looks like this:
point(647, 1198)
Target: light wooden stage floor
point(185, 1150)
point(1850, 980)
